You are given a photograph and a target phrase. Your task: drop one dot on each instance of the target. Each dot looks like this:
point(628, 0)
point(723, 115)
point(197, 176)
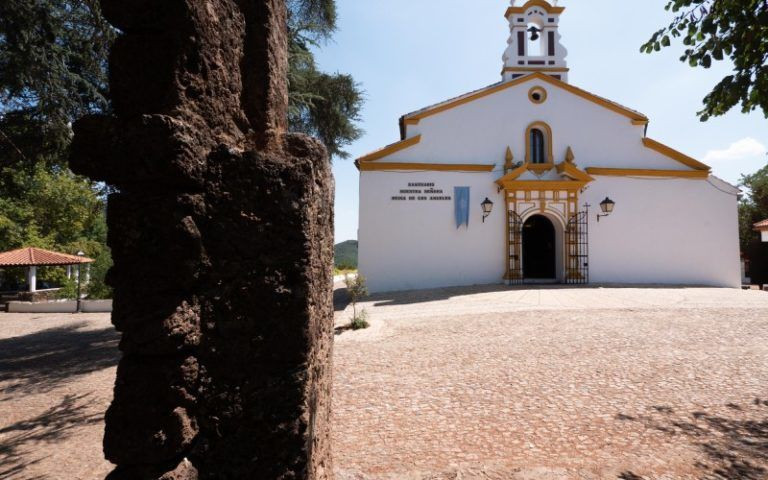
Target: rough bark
point(221, 234)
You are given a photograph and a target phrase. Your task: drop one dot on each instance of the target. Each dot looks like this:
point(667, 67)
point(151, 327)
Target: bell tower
point(534, 41)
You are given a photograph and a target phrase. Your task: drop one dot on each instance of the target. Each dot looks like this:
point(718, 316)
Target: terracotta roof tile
point(762, 225)
point(28, 257)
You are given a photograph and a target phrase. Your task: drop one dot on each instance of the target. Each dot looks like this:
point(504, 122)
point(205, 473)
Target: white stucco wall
point(764, 235)
point(63, 306)
point(480, 132)
point(405, 245)
point(664, 230)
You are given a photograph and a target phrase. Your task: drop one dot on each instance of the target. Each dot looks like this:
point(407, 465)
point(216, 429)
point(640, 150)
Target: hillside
point(346, 254)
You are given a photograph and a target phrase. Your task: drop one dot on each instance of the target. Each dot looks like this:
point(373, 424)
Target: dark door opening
point(538, 248)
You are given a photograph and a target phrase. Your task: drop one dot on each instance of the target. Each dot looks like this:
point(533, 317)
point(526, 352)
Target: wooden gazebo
point(32, 257)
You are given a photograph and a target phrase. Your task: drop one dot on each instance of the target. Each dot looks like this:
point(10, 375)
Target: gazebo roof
point(762, 225)
point(37, 257)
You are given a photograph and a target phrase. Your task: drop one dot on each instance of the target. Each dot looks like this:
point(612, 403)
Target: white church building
point(534, 180)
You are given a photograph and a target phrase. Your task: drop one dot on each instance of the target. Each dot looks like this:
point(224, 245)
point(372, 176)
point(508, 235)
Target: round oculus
point(537, 95)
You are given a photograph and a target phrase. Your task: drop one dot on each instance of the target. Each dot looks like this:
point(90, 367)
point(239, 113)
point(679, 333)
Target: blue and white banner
point(461, 199)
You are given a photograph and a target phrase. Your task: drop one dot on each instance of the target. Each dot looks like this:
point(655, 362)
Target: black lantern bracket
point(606, 206)
point(487, 208)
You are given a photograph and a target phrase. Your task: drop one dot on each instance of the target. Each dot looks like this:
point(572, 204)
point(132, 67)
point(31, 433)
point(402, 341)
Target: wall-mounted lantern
point(607, 207)
point(487, 208)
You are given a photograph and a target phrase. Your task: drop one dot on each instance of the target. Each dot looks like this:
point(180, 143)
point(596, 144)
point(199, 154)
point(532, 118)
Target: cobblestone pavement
point(555, 384)
point(476, 383)
point(56, 378)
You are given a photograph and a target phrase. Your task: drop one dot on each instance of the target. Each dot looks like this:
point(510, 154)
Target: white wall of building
point(663, 231)
point(764, 235)
point(406, 245)
point(480, 132)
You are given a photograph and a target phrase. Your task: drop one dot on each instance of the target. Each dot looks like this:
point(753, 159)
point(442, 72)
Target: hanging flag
point(461, 199)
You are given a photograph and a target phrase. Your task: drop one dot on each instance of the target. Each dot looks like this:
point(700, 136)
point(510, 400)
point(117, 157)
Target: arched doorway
point(539, 253)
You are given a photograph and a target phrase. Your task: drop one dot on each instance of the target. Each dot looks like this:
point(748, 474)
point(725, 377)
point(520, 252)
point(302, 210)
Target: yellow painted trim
point(509, 161)
point(534, 68)
point(640, 122)
point(569, 156)
point(534, 3)
point(515, 173)
point(548, 134)
point(541, 91)
point(540, 168)
point(569, 169)
point(642, 172)
point(674, 154)
point(539, 185)
point(390, 149)
point(415, 118)
point(431, 167)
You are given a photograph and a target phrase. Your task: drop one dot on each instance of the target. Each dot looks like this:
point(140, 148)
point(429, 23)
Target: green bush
point(357, 289)
point(360, 322)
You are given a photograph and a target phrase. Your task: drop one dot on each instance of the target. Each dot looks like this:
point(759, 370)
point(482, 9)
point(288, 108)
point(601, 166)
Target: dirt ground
point(474, 383)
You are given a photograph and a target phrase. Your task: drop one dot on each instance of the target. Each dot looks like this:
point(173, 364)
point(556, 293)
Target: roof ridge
point(416, 115)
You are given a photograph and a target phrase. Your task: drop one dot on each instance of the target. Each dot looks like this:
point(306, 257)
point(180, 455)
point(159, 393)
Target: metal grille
point(577, 249)
point(515, 266)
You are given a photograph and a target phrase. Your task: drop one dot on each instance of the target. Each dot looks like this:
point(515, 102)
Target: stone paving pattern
point(555, 383)
point(477, 383)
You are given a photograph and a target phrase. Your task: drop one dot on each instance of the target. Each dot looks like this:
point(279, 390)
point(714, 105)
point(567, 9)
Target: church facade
point(534, 180)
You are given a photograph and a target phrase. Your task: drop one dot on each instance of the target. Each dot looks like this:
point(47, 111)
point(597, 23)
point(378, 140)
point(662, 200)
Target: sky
point(408, 54)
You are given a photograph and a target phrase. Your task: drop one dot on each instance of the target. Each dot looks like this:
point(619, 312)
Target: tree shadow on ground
point(51, 426)
point(734, 441)
point(341, 299)
point(41, 361)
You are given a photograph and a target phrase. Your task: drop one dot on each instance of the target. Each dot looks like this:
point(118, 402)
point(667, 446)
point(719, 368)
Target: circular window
point(537, 95)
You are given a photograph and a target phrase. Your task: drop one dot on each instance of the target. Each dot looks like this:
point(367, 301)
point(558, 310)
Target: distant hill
point(346, 254)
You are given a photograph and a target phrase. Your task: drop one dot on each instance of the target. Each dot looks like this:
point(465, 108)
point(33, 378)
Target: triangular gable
point(572, 178)
point(390, 149)
point(415, 117)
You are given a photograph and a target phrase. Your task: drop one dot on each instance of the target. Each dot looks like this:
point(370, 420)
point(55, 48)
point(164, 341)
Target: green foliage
point(312, 18)
point(360, 322)
point(53, 70)
point(52, 210)
point(345, 255)
point(754, 206)
point(68, 289)
point(357, 289)
point(326, 106)
point(98, 289)
point(53, 58)
point(53, 62)
point(712, 30)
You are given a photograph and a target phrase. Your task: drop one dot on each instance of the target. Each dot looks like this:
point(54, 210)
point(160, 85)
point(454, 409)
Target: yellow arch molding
point(390, 149)
point(642, 172)
point(674, 154)
point(539, 167)
point(428, 167)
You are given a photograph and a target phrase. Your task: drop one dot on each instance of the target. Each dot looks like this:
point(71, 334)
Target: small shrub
point(68, 289)
point(357, 289)
point(360, 321)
